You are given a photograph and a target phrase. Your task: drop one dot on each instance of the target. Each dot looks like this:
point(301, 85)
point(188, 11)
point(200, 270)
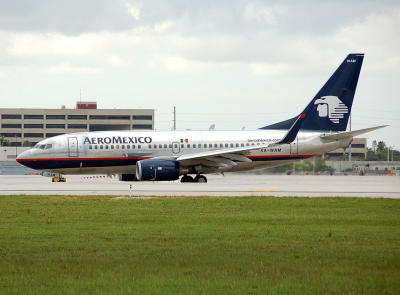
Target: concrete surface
point(218, 185)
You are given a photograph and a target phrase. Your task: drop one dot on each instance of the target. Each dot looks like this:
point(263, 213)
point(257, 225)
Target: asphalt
point(218, 185)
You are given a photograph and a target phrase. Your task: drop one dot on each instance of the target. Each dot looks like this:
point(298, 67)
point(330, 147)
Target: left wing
point(219, 159)
point(227, 158)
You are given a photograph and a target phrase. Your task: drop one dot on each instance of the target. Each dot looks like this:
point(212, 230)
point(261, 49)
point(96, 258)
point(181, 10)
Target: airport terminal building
point(26, 127)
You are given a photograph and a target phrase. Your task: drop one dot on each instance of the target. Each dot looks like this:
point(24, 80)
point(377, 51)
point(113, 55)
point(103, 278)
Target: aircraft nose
point(24, 155)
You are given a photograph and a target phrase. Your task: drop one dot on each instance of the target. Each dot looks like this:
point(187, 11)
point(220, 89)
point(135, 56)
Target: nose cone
point(25, 158)
point(24, 155)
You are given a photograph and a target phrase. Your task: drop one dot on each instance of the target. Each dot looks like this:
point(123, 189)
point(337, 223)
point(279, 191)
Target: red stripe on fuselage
point(144, 158)
point(282, 156)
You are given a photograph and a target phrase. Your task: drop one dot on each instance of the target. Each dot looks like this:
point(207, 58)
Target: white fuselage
point(116, 152)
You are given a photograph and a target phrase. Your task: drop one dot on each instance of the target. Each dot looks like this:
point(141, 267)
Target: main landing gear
point(199, 178)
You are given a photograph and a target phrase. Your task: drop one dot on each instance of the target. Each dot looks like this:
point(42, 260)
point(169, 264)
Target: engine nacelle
point(153, 169)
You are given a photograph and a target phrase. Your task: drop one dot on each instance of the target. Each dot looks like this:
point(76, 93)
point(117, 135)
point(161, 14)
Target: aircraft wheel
point(200, 179)
point(187, 178)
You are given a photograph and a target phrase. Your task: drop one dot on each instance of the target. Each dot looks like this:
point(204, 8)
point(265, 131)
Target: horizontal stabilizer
point(338, 136)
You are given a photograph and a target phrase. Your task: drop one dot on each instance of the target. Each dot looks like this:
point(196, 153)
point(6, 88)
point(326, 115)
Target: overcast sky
point(232, 63)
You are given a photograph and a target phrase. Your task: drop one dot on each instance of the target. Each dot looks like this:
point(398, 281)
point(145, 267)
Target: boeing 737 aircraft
point(158, 155)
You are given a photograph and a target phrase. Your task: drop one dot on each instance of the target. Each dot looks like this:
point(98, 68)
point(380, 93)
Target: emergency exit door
point(72, 147)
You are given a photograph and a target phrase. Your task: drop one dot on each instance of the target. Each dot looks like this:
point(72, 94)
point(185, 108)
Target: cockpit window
point(49, 146)
point(42, 146)
point(36, 146)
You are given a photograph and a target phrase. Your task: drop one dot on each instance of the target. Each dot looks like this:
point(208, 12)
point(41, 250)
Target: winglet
point(292, 132)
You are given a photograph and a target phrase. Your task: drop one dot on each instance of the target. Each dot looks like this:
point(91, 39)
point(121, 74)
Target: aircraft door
point(176, 148)
point(72, 147)
point(294, 147)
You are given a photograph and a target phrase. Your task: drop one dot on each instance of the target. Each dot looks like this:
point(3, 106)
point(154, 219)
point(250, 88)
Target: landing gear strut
point(199, 178)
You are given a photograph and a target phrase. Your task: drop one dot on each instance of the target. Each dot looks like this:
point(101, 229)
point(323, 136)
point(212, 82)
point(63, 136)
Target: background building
point(358, 151)
point(26, 127)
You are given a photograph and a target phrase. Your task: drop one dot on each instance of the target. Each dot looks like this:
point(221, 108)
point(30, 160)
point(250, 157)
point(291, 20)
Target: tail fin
point(330, 109)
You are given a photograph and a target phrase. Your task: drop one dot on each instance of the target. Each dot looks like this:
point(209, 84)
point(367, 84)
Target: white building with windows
point(26, 127)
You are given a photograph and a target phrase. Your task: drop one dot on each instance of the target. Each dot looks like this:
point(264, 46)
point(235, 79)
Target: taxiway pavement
point(218, 185)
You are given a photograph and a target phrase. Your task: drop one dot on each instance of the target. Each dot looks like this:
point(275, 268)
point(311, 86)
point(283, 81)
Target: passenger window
point(106, 147)
point(242, 144)
point(101, 147)
point(122, 147)
point(194, 145)
point(237, 145)
point(221, 145)
point(133, 146)
point(112, 147)
point(149, 146)
point(165, 146)
point(247, 144)
point(182, 145)
point(95, 147)
point(199, 145)
point(170, 146)
point(90, 147)
point(117, 147)
point(160, 146)
point(188, 145)
point(128, 146)
point(215, 145)
point(139, 146)
point(252, 143)
point(231, 144)
point(226, 145)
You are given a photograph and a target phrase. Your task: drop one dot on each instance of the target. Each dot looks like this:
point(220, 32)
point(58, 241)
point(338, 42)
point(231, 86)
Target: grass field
point(100, 245)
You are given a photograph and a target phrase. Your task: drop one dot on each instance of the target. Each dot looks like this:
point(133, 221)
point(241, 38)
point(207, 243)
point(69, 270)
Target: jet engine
point(161, 170)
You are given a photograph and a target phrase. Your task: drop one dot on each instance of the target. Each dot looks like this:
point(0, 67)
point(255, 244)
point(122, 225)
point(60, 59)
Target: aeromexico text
point(117, 139)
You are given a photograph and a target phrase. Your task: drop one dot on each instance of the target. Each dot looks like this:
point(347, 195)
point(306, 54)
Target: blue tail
point(330, 108)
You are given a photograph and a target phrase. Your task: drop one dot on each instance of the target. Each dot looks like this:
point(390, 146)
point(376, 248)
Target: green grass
point(73, 245)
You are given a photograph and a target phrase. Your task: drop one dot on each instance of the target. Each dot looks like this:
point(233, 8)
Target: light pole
point(388, 153)
point(16, 152)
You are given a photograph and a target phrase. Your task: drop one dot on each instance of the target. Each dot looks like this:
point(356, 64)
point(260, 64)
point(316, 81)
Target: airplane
point(189, 155)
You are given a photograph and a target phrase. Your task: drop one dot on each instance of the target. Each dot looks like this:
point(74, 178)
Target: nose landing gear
point(199, 178)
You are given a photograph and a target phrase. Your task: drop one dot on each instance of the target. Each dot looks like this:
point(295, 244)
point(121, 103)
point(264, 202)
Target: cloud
point(263, 14)
point(133, 10)
point(166, 46)
point(67, 68)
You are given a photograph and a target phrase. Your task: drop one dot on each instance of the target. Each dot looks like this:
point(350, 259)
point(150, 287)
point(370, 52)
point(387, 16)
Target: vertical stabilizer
point(330, 109)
